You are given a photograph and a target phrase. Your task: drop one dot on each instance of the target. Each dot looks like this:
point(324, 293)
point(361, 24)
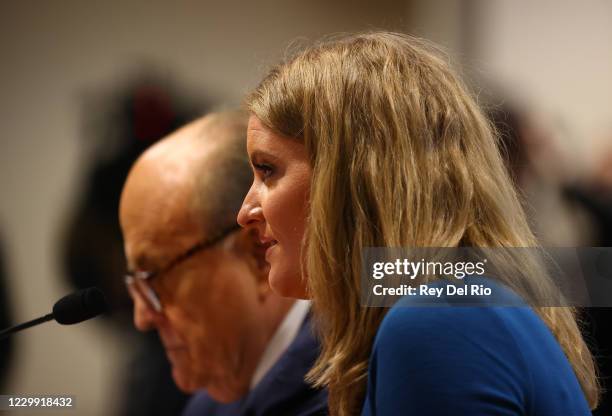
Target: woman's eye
point(264, 170)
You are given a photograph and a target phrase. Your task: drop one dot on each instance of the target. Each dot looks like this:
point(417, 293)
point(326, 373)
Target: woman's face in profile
point(277, 204)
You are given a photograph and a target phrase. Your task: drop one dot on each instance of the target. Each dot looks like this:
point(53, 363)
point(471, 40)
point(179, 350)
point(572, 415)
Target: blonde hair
point(402, 156)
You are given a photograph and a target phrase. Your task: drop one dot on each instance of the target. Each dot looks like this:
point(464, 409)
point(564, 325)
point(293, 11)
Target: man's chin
point(184, 383)
point(224, 395)
point(221, 393)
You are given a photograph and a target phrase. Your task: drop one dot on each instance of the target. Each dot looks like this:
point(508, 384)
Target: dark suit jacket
point(281, 392)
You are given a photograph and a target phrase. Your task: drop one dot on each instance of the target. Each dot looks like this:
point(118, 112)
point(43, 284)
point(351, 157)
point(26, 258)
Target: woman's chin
point(287, 285)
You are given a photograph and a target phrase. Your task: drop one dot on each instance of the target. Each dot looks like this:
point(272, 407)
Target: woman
point(371, 141)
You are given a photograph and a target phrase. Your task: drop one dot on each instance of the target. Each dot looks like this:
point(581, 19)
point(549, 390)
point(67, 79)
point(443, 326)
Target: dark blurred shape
point(6, 345)
point(507, 122)
point(596, 198)
point(599, 205)
point(520, 151)
point(117, 127)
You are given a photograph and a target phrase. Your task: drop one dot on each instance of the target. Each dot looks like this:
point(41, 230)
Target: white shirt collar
point(282, 338)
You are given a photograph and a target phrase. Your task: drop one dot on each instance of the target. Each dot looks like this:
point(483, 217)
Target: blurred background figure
point(6, 345)
point(541, 169)
point(566, 207)
point(117, 127)
point(594, 194)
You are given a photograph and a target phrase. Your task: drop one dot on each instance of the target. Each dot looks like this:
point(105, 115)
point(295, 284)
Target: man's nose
point(251, 213)
point(145, 318)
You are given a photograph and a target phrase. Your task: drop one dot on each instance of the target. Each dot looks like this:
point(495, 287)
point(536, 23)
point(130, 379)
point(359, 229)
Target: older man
point(201, 281)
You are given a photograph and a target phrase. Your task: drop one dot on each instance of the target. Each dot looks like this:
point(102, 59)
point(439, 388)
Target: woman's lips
point(269, 248)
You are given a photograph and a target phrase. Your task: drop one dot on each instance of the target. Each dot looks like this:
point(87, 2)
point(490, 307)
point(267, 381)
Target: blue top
point(469, 360)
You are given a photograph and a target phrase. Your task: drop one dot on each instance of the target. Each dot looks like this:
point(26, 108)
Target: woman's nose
point(250, 212)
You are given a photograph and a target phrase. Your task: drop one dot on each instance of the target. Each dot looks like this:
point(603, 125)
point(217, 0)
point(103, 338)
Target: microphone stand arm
point(6, 332)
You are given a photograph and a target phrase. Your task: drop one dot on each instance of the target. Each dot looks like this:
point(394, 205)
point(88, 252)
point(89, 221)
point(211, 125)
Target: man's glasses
point(139, 282)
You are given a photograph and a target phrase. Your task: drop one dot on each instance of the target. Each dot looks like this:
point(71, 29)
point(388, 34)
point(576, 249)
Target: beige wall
point(552, 55)
point(558, 54)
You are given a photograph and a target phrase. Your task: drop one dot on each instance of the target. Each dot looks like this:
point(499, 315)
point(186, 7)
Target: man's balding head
point(218, 312)
point(201, 170)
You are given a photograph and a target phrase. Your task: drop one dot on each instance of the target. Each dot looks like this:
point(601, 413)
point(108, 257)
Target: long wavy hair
point(402, 156)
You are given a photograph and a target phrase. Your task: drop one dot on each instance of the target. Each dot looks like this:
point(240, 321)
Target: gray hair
point(224, 176)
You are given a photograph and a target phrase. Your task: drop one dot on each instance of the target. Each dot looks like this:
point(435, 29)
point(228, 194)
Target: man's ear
point(251, 248)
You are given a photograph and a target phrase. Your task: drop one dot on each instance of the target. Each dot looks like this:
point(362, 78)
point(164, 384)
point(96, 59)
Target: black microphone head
point(80, 306)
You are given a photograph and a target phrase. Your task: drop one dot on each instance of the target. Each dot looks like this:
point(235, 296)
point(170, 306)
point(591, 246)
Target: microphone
point(71, 309)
